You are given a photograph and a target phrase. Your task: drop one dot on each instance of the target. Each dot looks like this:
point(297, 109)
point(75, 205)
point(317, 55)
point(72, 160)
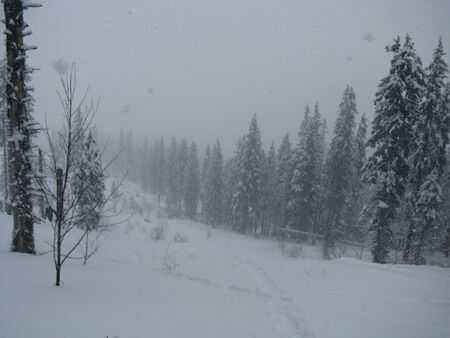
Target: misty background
point(200, 69)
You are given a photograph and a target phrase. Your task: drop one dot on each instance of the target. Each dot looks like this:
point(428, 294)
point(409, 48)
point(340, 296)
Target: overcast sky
point(200, 69)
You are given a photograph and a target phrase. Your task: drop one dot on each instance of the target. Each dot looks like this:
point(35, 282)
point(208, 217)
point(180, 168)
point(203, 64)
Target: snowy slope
point(217, 284)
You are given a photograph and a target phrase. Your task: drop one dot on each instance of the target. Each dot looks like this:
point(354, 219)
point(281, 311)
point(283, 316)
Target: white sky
point(200, 69)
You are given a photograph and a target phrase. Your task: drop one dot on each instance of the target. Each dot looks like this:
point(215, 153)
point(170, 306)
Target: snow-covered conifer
point(249, 170)
point(431, 131)
point(360, 145)
point(306, 175)
point(268, 192)
point(159, 170)
point(146, 161)
point(89, 185)
point(182, 159)
point(340, 169)
point(205, 185)
point(173, 187)
point(397, 106)
point(215, 173)
point(283, 176)
point(192, 193)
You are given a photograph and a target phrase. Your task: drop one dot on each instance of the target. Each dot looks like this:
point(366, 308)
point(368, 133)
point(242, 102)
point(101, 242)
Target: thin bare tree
point(59, 165)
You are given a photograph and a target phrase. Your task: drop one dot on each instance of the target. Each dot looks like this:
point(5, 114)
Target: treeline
point(256, 191)
point(397, 198)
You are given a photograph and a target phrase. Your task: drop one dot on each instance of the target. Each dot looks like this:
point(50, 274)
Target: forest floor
point(211, 283)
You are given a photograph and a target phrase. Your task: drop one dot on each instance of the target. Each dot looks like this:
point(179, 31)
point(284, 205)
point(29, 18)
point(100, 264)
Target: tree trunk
point(86, 248)
point(20, 130)
point(409, 241)
point(59, 216)
point(6, 206)
point(58, 276)
point(380, 250)
point(41, 196)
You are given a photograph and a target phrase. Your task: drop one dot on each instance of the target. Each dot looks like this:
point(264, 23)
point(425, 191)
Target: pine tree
point(78, 137)
point(146, 156)
point(249, 170)
point(428, 159)
point(229, 193)
point(192, 193)
point(182, 159)
point(152, 166)
point(160, 171)
point(236, 189)
point(299, 174)
point(206, 188)
point(215, 178)
point(441, 235)
point(359, 192)
point(397, 104)
point(320, 196)
point(172, 179)
point(130, 158)
point(360, 144)
point(21, 125)
point(340, 168)
point(269, 190)
point(284, 177)
point(89, 185)
point(306, 175)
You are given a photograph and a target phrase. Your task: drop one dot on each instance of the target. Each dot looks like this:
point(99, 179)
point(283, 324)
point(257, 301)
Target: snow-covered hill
point(212, 283)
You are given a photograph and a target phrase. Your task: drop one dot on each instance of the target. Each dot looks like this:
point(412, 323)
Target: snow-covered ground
point(216, 284)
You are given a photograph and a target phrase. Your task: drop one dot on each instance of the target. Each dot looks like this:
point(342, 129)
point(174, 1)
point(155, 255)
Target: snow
point(225, 285)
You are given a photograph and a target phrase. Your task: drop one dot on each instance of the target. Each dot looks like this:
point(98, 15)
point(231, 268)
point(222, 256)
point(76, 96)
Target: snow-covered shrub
point(169, 262)
point(158, 232)
point(180, 238)
point(293, 250)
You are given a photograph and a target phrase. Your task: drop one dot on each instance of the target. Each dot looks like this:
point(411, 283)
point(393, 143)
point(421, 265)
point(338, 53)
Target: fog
point(201, 69)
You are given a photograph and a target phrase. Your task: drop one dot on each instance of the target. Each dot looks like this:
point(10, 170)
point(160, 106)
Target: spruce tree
point(340, 169)
point(251, 177)
point(192, 193)
point(269, 190)
point(306, 175)
point(89, 185)
point(146, 162)
point(428, 159)
point(206, 186)
point(129, 157)
point(360, 145)
point(441, 235)
point(237, 194)
point(284, 177)
point(229, 193)
point(359, 193)
point(79, 134)
point(216, 191)
point(249, 171)
point(320, 196)
point(181, 177)
point(160, 171)
point(172, 179)
point(397, 104)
